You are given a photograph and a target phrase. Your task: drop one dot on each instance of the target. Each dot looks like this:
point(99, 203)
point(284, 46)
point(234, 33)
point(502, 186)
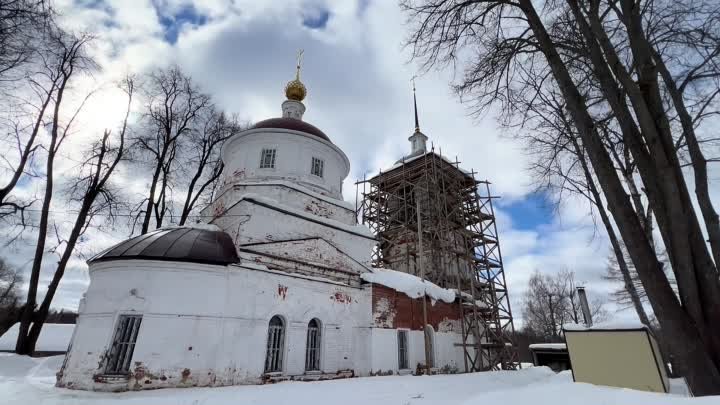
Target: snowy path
point(30, 381)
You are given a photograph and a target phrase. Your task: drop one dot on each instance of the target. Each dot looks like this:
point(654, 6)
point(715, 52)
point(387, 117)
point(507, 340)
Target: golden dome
point(295, 90)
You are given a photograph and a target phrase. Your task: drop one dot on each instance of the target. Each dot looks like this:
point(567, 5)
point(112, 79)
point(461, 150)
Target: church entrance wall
point(208, 325)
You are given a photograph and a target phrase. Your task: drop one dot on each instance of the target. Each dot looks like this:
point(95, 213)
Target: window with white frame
point(402, 349)
point(275, 345)
point(317, 167)
point(123, 345)
point(312, 351)
point(267, 158)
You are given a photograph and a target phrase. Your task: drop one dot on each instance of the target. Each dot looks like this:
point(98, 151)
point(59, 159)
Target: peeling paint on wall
point(392, 309)
point(449, 325)
point(341, 297)
point(383, 313)
point(282, 291)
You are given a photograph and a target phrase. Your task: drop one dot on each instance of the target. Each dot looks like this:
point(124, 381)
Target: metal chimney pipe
point(585, 306)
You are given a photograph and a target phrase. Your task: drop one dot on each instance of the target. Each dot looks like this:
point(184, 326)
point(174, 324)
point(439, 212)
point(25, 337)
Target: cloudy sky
point(358, 75)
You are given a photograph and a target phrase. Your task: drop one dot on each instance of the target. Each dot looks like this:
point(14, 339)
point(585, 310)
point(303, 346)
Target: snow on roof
point(412, 286)
point(469, 297)
point(613, 325)
point(548, 346)
point(54, 337)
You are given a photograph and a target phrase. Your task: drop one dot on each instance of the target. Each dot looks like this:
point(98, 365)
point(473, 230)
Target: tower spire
point(418, 140)
point(417, 123)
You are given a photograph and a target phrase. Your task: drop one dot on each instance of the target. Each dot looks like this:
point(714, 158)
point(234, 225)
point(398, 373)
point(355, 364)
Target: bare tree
point(68, 60)
point(93, 191)
point(27, 107)
point(622, 296)
point(10, 280)
point(173, 105)
point(22, 24)
point(509, 37)
point(202, 159)
point(551, 301)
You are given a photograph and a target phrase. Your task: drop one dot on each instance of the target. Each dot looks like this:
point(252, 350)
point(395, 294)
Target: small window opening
point(275, 345)
point(317, 167)
point(267, 159)
point(402, 349)
point(312, 354)
point(123, 345)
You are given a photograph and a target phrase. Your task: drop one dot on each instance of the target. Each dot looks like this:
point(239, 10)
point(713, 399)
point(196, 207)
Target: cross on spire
point(299, 63)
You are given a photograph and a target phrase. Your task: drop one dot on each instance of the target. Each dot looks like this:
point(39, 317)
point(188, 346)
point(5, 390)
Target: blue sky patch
point(316, 19)
point(172, 23)
point(530, 212)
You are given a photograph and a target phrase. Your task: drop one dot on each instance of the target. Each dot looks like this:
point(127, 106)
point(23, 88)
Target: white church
point(278, 285)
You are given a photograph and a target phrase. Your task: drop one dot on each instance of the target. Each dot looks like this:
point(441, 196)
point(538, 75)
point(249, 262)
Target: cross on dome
point(295, 89)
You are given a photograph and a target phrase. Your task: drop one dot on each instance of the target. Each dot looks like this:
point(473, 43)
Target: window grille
point(123, 344)
point(275, 345)
point(267, 159)
point(402, 349)
point(317, 167)
point(312, 353)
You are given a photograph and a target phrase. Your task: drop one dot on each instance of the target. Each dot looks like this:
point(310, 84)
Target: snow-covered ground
point(25, 380)
point(54, 337)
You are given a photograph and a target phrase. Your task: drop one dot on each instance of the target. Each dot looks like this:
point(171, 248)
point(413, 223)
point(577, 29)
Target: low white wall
point(384, 358)
point(207, 325)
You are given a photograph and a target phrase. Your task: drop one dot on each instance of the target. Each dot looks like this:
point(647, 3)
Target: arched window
point(312, 352)
point(275, 345)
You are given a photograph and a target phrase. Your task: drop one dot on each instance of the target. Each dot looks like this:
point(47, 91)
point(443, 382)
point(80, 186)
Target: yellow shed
point(616, 356)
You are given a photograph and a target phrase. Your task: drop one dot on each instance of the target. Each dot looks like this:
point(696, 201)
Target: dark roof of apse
point(291, 124)
point(183, 244)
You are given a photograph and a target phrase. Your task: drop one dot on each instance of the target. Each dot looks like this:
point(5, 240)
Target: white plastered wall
point(384, 359)
point(293, 159)
point(207, 325)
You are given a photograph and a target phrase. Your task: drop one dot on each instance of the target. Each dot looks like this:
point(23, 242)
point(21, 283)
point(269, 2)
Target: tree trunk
point(614, 242)
point(5, 190)
point(660, 170)
point(699, 163)
point(42, 312)
point(705, 291)
point(24, 345)
point(682, 335)
point(149, 208)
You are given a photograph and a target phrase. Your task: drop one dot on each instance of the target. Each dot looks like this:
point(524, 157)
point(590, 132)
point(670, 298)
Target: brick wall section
point(393, 309)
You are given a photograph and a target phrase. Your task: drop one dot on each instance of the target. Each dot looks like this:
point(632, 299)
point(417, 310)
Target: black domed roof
point(292, 124)
point(182, 244)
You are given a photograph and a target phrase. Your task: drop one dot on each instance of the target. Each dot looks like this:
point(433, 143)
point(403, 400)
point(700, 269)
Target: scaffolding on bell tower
point(426, 211)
